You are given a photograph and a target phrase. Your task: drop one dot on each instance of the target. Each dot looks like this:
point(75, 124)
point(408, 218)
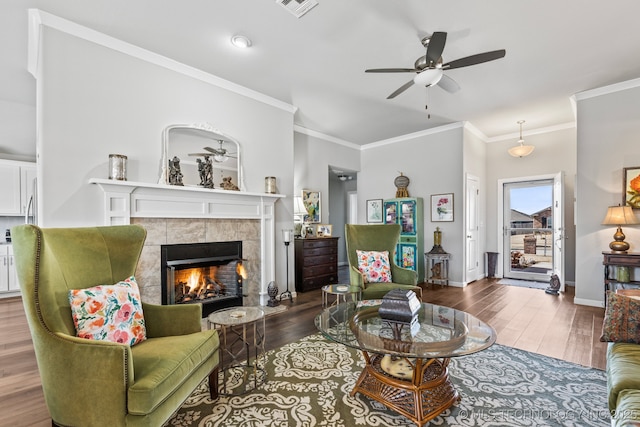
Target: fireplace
point(207, 273)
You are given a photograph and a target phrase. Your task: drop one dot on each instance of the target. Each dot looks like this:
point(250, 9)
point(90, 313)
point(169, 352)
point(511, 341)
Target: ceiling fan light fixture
point(219, 158)
point(428, 77)
point(521, 150)
point(241, 42)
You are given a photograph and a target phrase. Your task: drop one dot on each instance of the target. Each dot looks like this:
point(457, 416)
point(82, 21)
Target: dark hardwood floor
point(524, 318)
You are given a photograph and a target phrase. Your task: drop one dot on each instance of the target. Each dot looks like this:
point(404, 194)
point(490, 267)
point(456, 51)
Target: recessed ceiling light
point(241, 41)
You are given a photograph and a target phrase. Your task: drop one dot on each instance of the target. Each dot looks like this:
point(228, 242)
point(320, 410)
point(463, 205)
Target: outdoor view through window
point(529, 233)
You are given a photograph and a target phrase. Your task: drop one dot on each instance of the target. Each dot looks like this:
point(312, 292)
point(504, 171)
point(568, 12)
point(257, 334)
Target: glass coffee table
point(408, 375)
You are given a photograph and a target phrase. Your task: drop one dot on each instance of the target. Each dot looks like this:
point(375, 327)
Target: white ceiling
point(555, 49)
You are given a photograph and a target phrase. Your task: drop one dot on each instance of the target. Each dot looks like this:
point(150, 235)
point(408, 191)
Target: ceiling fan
point(220, 154)
point(430, 68)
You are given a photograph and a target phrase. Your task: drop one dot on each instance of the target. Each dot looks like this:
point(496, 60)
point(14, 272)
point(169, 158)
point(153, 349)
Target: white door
point(532, 227)
point(472, 253)
point(558, 228)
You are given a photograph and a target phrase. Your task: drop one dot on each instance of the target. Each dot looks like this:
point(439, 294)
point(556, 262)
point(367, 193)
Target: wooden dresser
point(316, 262)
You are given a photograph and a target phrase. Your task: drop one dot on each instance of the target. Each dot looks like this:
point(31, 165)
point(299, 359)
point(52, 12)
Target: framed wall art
point(442, 207)
point(631, 187)
point(374, 210)
point(311, 202)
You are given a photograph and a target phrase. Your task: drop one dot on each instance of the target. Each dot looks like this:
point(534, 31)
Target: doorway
point(532, 225)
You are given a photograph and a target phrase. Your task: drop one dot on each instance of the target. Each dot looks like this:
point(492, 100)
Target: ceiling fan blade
point(448, 84)
point(475, 59)
point(436, 46)
point(401, 89)
point(392, 70)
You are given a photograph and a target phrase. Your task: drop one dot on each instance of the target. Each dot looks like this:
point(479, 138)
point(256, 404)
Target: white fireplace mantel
point(124, 200)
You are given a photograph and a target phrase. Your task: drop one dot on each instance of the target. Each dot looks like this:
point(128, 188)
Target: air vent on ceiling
point(298, 7)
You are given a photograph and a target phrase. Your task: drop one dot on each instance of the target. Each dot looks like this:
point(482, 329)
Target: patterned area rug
point(309, 382)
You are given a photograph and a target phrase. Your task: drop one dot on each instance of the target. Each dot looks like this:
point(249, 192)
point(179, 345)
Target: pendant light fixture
point(521, 150)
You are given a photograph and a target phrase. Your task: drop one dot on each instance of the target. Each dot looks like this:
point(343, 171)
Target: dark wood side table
point(617, 259)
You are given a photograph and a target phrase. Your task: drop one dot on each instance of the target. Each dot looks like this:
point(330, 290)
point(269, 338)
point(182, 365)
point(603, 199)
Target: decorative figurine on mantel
point(228, 185)
point(175, 174)
point(401, 182)
point(205, 170)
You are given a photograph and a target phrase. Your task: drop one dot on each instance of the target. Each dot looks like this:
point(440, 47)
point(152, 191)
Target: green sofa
point(623, 383)
point(99, 383)
point(378, 237)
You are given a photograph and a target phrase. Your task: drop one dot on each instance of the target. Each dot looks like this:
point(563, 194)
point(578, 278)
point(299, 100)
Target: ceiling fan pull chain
point(426, 103)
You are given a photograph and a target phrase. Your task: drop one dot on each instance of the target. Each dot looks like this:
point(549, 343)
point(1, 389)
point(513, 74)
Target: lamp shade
point(521, 150)
point(619, 215)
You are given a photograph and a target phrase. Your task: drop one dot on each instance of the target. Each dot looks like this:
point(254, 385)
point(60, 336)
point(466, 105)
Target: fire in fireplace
point(207, 273)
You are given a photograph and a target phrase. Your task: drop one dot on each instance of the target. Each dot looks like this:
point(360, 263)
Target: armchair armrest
point(84, 372)
point(170, 320)
point(355, 277)
point(403, 276)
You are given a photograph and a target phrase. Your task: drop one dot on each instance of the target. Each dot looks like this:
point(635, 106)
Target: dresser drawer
point(320, 251)
point(319, 243)
point(321, 259)
point(317, 282)
point(319, 270)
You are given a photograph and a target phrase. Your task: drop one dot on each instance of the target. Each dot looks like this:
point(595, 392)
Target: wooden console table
point(617, 259)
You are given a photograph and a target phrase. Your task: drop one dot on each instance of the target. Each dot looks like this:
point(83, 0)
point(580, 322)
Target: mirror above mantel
point(202, 155)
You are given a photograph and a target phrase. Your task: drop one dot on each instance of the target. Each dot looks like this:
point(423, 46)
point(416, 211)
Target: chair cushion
point(623, 370)
point(109, 312)
point(621, 319)
point(374, 266)
point(161, 365)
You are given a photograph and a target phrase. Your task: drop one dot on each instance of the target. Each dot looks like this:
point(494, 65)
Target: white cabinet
point(10, 189)
point(17, 187)
point(8, 274)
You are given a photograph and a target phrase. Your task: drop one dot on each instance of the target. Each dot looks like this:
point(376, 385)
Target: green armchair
point(100, 383)
point(378, 237)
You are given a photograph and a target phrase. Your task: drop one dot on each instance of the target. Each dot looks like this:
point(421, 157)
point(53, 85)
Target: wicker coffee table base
point(426, 396)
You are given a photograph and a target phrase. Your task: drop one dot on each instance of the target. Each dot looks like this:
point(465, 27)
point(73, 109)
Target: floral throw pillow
point(621, 319)
point(374, 266)
point(109, 312)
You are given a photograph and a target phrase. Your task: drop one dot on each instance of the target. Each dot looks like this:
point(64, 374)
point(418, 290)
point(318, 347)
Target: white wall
point(93, 101)
point(475, 163)
point(312, 156)
point(555, 151)
point(608, 141)
point(433, 162)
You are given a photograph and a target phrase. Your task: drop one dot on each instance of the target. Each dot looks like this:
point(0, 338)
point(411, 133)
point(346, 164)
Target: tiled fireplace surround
point(163, 231)
point(194, 215)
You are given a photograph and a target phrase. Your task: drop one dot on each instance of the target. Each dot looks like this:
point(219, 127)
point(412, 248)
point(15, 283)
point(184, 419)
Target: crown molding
point(477, 132)
point(538, 131)
point(414, 135)
point(605, 90)
point(329, 138)
point(39, 18)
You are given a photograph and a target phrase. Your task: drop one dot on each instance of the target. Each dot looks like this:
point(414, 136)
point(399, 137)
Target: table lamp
point(619, 216)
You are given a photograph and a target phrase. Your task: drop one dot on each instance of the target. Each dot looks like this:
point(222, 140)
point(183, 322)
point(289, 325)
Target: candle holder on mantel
point(286, 237)
point(437, 261)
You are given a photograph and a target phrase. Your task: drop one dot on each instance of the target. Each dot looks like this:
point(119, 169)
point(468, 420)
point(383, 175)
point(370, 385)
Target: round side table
point(340, 292)
point(242, 351)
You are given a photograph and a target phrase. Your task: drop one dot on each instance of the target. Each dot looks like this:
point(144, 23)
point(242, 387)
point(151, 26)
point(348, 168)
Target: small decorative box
point(399, 305)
